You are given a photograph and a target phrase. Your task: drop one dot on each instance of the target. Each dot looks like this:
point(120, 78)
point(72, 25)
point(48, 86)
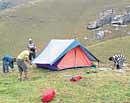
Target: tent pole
point(98, 64)
point(75, 59)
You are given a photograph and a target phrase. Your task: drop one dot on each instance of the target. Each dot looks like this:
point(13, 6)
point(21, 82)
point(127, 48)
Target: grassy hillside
point(108, 48)
point(101, 87)
point(47, 19)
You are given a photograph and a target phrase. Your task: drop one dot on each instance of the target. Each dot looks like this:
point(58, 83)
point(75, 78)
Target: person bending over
point(118, 60)
point(22, 59)
point(8, 62)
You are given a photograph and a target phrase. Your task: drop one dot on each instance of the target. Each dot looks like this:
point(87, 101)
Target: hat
point(30, 39)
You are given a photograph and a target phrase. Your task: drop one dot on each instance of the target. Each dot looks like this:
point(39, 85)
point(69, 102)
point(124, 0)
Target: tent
point(63, 54)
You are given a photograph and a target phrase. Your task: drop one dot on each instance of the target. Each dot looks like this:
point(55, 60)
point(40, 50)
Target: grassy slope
point(108, 48)
point(60, 18)
point(48, 19)
point(103, 87)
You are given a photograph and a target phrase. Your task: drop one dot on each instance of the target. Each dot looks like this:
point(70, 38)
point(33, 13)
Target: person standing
point(32, 48)
point(8, 62)
point(22, 59)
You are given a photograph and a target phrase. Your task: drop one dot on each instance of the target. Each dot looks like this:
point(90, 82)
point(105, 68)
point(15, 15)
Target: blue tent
point(57, 49)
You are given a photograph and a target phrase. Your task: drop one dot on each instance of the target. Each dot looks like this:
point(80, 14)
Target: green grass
point(50, 19)
point(101, 87)
point(108, 48)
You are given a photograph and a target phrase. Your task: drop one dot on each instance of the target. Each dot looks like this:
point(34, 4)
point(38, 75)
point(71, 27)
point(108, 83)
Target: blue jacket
point(7, 59)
